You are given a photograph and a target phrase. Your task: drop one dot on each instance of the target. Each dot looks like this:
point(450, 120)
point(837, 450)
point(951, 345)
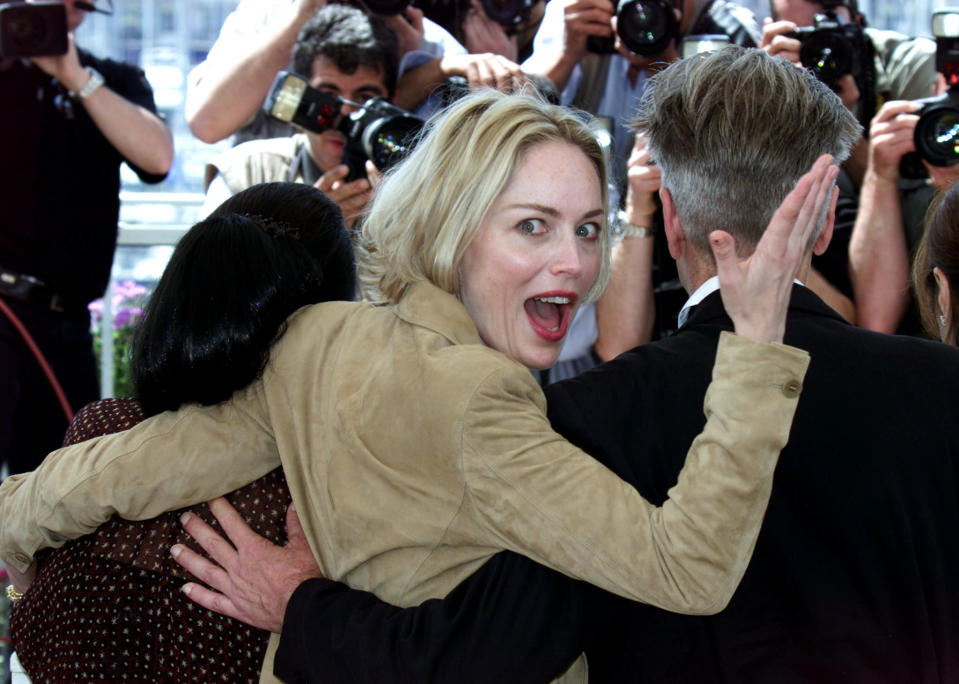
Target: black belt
point(29, 290)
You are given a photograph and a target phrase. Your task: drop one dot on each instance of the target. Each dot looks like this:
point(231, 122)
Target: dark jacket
point(853, 577)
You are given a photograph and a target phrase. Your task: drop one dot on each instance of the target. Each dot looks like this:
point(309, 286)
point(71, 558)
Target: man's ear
point(825, 237)
point(675, 237)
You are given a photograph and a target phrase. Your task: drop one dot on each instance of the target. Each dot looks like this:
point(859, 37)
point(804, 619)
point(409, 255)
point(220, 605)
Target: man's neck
point(694, 272)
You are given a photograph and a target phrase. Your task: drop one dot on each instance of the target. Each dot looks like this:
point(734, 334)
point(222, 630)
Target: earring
point(942, 320)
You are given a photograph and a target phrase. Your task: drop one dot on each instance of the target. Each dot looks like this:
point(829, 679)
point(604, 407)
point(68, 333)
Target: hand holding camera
point(351, 196)
point(66, 68)
point(481, 34)
point(936, 134)
point(407, 24)
point(891, 137)
point(584, 21)
point(779, 40)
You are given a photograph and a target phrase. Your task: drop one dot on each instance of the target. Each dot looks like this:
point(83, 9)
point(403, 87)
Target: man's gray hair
point(733, 131)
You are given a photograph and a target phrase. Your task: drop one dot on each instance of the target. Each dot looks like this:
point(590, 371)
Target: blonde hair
point(427, 210)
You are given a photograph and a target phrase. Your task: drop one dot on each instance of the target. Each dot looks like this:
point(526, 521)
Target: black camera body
point(937, 132)
point(508, 13)
point(32, 29)
point(831, 48)
point(378, 130)
point(644, 26)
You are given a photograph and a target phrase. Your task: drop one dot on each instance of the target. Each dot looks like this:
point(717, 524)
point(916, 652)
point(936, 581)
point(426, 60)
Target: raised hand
point(352, 197)
point(756, 291)
point(585, 18)
point(644, 180)
point(890, 137)
point(777, 44)
point(482, 34)
point(251, 579)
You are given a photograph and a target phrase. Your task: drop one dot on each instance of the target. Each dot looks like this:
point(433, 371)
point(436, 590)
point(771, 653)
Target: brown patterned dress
point(107, 607)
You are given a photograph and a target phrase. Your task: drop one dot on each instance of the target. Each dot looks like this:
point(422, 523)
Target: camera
point(377, 130)
point(510, 14)
point(937, 131)
point(831, 47)
point(32, 29)
point(644, 26)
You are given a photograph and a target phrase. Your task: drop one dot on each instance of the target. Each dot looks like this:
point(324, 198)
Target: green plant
point(127, 303)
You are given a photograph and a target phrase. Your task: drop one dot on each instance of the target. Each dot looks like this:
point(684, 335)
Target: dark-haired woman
point(107, 607)
point(935, 271)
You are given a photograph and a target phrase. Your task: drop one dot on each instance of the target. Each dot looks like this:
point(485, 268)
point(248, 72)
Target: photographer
point(225, 91)
point(893, 66)
point(610, 85)
point(886, 66)
point(889, 225)
point(67, 123)
point(343, 52)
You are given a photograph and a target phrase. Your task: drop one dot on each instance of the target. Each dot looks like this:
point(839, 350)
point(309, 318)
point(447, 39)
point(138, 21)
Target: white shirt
point(703, 291)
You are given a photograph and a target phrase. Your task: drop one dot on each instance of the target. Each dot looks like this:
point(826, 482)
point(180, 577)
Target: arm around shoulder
point(169, 461)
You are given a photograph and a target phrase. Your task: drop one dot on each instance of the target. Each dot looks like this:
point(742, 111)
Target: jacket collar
point(426, 305)
point(802, 299)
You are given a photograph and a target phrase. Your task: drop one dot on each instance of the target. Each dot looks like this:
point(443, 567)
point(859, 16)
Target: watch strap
point(90, 87)
point(625, 229)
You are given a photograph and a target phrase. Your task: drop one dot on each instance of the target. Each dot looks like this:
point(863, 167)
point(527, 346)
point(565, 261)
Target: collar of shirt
point(703, 291)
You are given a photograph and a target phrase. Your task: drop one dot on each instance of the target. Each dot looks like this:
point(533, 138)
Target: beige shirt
point(413, 453)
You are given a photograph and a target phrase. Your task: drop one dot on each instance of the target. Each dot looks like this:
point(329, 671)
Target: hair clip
point(275, 227)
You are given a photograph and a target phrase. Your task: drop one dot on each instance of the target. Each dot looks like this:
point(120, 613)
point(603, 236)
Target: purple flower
point(126, 302)
point(128, 289)
point(121, 319)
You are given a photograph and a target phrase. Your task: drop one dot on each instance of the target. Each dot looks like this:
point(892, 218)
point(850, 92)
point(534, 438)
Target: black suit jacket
point(855, 575)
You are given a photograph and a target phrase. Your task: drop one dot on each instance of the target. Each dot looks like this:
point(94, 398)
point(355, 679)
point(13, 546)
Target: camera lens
point(645, 26)
point(937, 134)
point(390, 139)
point(828, 54)
point(508, 12)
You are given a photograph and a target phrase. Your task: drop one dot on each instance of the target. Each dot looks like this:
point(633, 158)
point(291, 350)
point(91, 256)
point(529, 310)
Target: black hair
point(232, 281)
point(350, 39)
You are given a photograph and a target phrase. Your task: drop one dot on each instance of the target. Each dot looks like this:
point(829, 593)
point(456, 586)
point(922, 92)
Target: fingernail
point(185, 518)
point(186, 589)
point(175, 550)
point(292, 506)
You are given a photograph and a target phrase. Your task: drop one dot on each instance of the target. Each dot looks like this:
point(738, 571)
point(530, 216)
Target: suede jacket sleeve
point(571, 513)
point(156, 466)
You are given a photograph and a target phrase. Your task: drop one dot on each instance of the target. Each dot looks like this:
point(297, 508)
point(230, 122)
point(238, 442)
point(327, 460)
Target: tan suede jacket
point(413, 453)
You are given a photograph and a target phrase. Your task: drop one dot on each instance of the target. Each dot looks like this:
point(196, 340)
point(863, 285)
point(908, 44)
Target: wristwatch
point(623, 229)
point(90, 87)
